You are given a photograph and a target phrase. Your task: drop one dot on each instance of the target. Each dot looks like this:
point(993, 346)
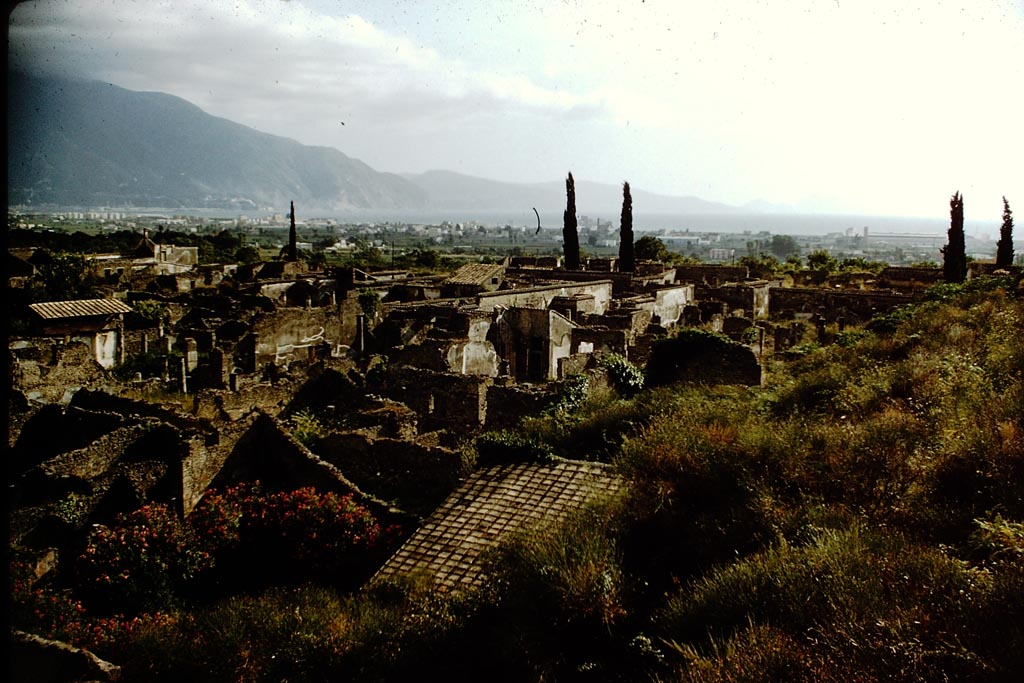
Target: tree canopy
point(954, 254)
point(650, 248)
point(570, 236)
point(626, 263)
point(1004, 248)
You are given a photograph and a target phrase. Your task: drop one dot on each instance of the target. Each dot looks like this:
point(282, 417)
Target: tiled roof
point(80, 308)
point(493, 503)
point(475, 274)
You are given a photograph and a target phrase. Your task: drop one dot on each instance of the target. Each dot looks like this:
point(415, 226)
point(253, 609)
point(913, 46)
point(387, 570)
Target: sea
point(735, 223)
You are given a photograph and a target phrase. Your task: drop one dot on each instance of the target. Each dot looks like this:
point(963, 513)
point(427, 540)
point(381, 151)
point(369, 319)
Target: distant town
point(598, 237)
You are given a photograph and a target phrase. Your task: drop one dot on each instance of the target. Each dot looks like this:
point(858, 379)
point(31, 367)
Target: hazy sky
point(851, 106)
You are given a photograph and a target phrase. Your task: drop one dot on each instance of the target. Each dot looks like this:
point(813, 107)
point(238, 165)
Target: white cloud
point(886, 108)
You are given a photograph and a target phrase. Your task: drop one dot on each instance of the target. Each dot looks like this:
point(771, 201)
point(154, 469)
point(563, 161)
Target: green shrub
point(306, 427)
point(369, 301)
point(559, 593)
point(872, 602)
point(572, 394)
point(505, 447)
point(999, 538)
point(754, 654)
point(626, 378)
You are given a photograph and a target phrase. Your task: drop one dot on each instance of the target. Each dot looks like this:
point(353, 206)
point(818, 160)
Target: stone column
point(191, 353)
point(254, 353)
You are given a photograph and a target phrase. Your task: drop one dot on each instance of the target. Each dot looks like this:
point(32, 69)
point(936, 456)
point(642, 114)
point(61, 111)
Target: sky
point(838, 106)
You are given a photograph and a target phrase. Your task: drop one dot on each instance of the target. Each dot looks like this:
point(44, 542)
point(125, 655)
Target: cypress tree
point(293, 237)
point(626, 263)
point(954, 254)
point(1004, 248)
point(570, 238)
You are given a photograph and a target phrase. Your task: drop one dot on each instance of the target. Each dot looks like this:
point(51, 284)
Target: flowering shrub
point(314, 532)
point(55, 614)
point(142, 562)
point(150, 559)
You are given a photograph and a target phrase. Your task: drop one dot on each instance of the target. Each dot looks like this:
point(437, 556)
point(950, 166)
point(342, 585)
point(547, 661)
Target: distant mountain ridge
point(90, 144)
point(457, 192)
point(87, 143)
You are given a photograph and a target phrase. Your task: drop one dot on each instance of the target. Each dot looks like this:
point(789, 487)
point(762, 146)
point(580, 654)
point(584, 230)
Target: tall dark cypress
point(626, 263)
point(570, 237)
point(1004, 247)
point(293, 237)
point(954, 254)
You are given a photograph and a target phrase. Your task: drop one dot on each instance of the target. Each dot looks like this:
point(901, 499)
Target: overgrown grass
point(859, 518)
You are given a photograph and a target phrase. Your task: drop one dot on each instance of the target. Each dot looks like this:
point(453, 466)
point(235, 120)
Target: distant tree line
point(221, 247)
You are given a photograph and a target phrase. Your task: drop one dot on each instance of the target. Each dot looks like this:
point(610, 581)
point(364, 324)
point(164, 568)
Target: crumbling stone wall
point(541, 296)
point(46, 369)
point(203, 460)
point(851, 305)
point(289, 334)
point(575, 364)
point(601, 340)
point(418, 477)
point(441, 400)
point(531, 341)
point(269, 454)
point(698, 357)
point(753, 299)
point(633, 320)
point(670, 301)
point(512, 402)
point(906, 279)
point(711, 275)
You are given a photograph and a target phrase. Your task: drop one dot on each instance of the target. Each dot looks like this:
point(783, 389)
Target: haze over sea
point(782, 224)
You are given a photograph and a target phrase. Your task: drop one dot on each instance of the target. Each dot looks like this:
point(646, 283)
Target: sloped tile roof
point(493, 503)
point(475, 274)
point(80, 308)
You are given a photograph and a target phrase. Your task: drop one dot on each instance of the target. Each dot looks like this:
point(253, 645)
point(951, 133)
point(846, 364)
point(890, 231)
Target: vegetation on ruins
point(857, 518)
point(954, 255)
point(570, 236)
point(369, 302)
point(1004, 247)
point(820, 259)
point(860, 517)
point(152, 569)
point(626, 378)
point(650, 248)
point(626, 263)
point(64, 276)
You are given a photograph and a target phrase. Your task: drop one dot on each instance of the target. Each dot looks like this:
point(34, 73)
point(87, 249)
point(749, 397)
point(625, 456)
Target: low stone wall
point(269, 454)
point(511, 403)
point(45, 369)
point(441, 400)
point(711, 275)
point(702, 358)
point(417, 477)
point(850, 305)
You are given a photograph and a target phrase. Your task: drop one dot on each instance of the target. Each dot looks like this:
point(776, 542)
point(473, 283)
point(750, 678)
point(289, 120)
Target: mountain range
point(88, 143)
